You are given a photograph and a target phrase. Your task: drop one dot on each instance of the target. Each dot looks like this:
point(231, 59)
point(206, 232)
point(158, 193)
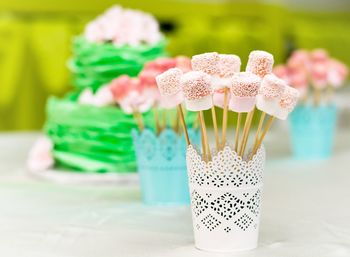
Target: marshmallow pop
point(287, 102)
point(260, 63)
point(196, 86)
point(270, 92)
point(277, 99)
point(170, 89)
point(244, 88)
point(267, 101)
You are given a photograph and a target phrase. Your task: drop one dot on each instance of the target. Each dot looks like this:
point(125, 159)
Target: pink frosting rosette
point(40, 155)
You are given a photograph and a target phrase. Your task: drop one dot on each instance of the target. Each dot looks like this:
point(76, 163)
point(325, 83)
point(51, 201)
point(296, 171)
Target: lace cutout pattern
point(225, 192)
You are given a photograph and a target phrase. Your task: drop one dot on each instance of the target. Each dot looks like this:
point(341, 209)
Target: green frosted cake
point(96, 138)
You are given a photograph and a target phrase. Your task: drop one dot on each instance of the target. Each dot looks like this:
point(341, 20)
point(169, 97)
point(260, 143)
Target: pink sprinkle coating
point(229, 64)
point(260, 63)
point(196, 85)
point(272, 87)
point(169, 82)
point(289, 98)
point(207, 62)
point(245, 84)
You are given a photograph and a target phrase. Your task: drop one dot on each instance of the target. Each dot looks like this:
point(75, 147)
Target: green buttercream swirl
point(95, 64)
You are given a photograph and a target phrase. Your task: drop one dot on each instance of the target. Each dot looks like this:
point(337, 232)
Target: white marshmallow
point(202, 104)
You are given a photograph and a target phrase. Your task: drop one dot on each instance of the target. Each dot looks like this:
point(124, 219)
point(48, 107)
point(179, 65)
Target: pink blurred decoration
point(123, 27)
point(319, 55)
point(312, 68)
point(121, 86)
point(40, 155)
point(281, 71)
point(337, 73)
point(136, 101)
point(318, 74)
point(300, 59)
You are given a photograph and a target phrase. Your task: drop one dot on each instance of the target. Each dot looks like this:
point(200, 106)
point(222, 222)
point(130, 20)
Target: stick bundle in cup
point(207, 85)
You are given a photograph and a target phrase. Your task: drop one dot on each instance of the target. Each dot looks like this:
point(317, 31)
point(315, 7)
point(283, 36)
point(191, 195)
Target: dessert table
point(306, 210)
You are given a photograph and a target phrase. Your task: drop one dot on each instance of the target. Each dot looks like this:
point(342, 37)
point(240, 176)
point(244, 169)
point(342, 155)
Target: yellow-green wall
point(35, 41)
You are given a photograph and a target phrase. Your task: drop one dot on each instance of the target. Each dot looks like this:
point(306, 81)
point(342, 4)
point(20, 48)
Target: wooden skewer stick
point(177, 122)
point(164, 119)
point(317, 96)
point(268, 125)
point(258, 131)
point(238, 128)
point(247, 125)
point(183, 123)
point(138, 118)
point(224, 118)
point(215, 125)
point(156, 120)
point(196, 123)
point(204, 148)
point(205, 136)
point(329, 94)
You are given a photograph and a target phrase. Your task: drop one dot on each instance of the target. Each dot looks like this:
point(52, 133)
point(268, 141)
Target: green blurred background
point(36, 39)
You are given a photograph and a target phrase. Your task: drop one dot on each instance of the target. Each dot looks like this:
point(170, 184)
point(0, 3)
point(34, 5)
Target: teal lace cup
point(161, 161)
point(312, 131)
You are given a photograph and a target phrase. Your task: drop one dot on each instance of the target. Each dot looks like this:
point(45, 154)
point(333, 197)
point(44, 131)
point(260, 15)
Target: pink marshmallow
point(207, 62)
point(272, 87)
point(244, 89)
point(229, 64)
point(260, 63)
point(270, 93)
point(287, 102)
point(169, 82)
point(196, 86)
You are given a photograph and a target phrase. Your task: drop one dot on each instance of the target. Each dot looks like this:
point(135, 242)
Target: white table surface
point(306, 211)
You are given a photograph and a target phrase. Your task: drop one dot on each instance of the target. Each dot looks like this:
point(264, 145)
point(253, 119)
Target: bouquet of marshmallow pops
point(216, 80)
point(314, 73)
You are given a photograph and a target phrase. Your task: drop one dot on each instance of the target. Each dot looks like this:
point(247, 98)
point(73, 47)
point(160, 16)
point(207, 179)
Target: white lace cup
point(225, 199)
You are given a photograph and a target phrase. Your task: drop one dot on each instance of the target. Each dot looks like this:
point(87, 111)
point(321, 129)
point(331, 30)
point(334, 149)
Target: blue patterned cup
point(161, 162)
point(312, 131)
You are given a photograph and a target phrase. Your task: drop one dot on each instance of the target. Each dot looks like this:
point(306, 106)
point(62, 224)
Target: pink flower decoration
point(337, 73)
point(121, 86)
point(300, 59)
point(103, 97)
point(40, 155)
point(136, 101)
point(86, 97)
point(281, 71)
point(319, 73)
point(319, 55)
point(124, 26)
point(148, 77)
